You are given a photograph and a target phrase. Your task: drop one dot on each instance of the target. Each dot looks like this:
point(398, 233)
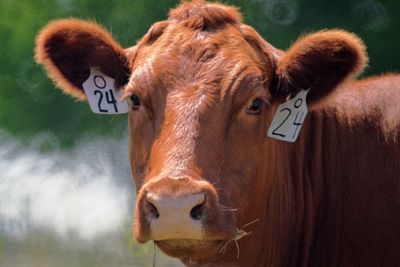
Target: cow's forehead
point(185, 58)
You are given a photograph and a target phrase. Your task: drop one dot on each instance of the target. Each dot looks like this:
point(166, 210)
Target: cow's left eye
point(255, 106)
point(135, 99)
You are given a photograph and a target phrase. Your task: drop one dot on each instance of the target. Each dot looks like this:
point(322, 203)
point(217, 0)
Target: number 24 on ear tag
point(102, 95)
point(289, 118)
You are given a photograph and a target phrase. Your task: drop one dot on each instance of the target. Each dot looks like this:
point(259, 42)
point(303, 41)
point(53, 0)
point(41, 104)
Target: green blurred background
point(29, 104)
point(32, 111)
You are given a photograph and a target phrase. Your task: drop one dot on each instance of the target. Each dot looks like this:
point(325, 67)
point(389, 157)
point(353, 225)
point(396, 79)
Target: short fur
point(67, 48)
point(309, 63)
point(330, 199)
point(204, 16)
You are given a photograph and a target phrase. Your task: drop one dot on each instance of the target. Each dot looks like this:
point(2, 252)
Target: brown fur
point(330, 199)
point(67, 48)
point(309, 63)
point(204, 16)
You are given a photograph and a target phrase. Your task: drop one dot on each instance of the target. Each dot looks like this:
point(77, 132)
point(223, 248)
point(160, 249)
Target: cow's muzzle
point(181, 208)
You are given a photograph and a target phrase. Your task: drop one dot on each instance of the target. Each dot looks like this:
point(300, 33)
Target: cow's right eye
point(135, 99)
point(255, 106)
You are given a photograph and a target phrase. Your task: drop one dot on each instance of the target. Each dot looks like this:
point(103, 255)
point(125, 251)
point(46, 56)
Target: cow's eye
point(135, 99)
point(255, 106)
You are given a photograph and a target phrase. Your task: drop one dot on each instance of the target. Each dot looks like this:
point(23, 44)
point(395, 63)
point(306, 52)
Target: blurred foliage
point(145, 254)
point(30, 105)
point(41, 248)
point(1, 246)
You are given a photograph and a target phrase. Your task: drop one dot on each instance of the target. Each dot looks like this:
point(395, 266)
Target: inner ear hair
point(68, 48)
point(319, 61)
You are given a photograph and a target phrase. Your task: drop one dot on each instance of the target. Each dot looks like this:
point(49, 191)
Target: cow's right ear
point(68, 48)
point(319, 62)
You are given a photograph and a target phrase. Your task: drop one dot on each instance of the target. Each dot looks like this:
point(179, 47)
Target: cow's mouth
point(190, 248)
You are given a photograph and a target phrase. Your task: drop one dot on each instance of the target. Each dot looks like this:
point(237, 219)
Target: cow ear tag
point(102, 95)
point(289, 118)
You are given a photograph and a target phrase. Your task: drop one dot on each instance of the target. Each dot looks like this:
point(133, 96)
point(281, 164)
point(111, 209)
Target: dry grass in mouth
point(240, 233)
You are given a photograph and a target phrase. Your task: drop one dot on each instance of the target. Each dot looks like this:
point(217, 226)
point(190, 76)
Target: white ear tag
point(102, 95)
point(289, 118)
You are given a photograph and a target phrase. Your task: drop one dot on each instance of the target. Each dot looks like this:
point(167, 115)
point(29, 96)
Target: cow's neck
point(294, 196)
point(307, 183)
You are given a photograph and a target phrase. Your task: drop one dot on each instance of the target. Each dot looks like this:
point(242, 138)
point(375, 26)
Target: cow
point(212, 188)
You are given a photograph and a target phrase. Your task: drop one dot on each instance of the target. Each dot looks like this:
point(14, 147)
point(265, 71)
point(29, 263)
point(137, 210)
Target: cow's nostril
point(197, 212)
point(153, 211)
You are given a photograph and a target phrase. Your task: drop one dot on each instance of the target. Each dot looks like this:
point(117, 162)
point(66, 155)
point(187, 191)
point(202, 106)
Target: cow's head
point(202, 89)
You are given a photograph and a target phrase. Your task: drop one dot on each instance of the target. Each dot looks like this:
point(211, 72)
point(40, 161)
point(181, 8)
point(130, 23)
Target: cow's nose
point(177, 208)
point(181, 208)
point(175, 216)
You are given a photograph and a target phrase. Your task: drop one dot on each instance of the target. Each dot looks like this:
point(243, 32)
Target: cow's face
point(198, 126)
point(202, 88)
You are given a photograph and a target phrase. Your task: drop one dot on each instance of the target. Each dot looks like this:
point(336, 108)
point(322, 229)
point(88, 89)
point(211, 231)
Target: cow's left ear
point(68, 48)
point(319, 61)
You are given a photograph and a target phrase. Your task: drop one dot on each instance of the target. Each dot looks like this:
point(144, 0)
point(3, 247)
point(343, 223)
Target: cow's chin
point(190, 249)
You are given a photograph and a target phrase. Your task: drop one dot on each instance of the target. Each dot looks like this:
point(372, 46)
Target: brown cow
point(213, 189)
